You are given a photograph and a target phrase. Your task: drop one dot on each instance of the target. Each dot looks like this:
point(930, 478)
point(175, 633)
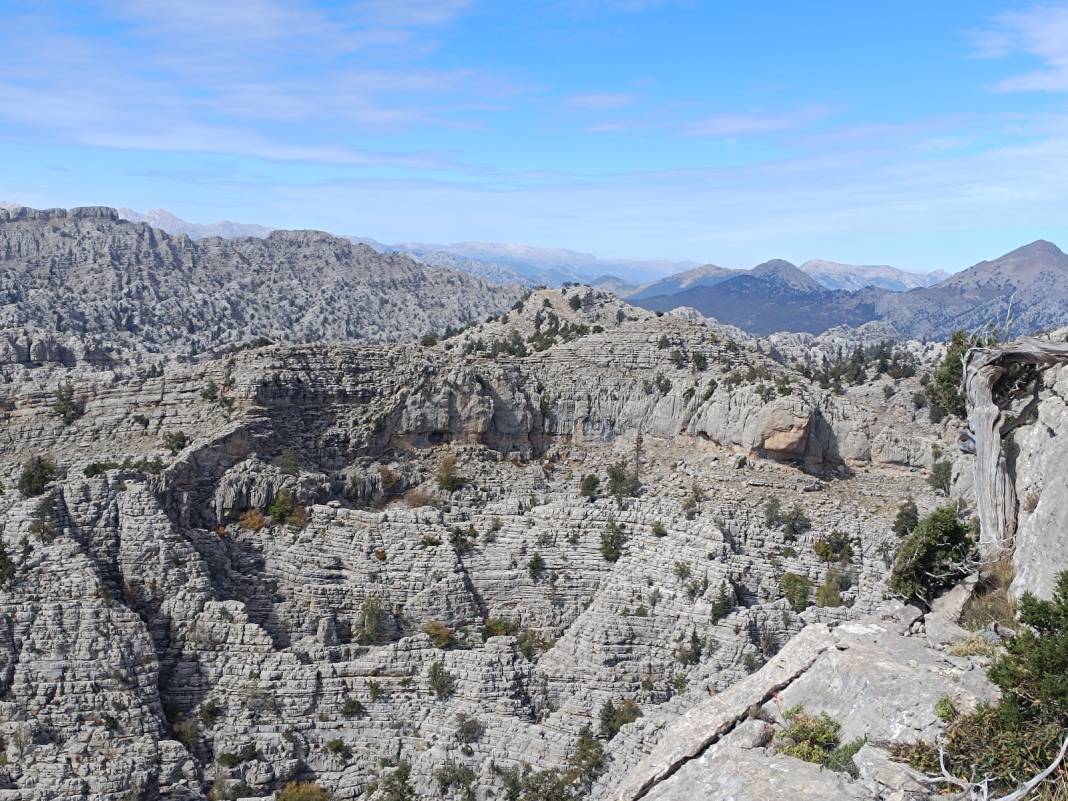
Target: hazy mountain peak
point(173, 224)
point(1021, 266)
point(787, 273)
point(836, 275)
point(774, 266)
point(1039, 249)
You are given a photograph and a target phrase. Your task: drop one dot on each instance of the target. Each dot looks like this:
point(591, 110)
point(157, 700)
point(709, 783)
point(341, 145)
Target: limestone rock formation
point(323, 562)
point(86, 272)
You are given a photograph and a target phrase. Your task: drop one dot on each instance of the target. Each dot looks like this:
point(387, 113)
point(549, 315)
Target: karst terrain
point(392, 533)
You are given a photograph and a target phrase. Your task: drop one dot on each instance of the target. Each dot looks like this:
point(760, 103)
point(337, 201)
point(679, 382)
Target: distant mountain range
point(835, 275)
point(824, 274)
point(492, 261)
point(1023, 291)
point(549, 266)
point(87, 272)
point(533, 266)
point(1027, 288)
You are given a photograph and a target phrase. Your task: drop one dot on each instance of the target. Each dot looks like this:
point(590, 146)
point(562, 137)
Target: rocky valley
point(564, 548)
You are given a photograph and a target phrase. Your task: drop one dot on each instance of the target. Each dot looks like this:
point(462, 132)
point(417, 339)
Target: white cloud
point(1040, 32)
point(276, 79)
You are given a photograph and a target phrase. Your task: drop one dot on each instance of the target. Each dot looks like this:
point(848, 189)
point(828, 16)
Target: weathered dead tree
point(989, 422)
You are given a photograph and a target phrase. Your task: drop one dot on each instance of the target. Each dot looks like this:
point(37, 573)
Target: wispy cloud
point(601, 102)
point(740, 124)
point(413, 12)
point(240, 78)
point(1040, 33)
point(617, 6)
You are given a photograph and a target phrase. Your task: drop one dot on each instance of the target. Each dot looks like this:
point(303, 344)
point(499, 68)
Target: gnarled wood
point(995, 493)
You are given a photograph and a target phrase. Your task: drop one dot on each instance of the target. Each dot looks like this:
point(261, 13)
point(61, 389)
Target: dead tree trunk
point(995, 493)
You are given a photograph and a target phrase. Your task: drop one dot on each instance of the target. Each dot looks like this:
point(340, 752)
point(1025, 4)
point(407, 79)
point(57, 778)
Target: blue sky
point(925, 135)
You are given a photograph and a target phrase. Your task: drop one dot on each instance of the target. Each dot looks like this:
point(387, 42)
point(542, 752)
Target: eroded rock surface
point(164, 633)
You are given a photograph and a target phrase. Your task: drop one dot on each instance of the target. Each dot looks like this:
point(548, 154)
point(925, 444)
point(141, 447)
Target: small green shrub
point(613, 718)
point(284, 509)
point(589, 486)
point(612, 540)
point(67, 406)
point(835, 547)
point(468, 729)
point(622, 482)
point(932, 558)
point(442, 683)
point(796, 590)
point(231, 760)
point(721, 606)
point(814, 738)
point(773, 513)
point(829, 593)
point(448, 479)
point(907, 518)
point(185, 731)
point(395, 785)
point(338, 748)
point(536, 567)
point(455, 778)
point(43, 524)
point(941, 477)
point(175, 441)
point(369, 620)
point(498, 627)
point(288, 462)
point(794, 523)
point(690, 653)
point(210, 713)
point(7, 567)
point(35, 476)
point(943, 390)
point(352, 708)
point(945, 709)
point(531, 644)
point(94, 469)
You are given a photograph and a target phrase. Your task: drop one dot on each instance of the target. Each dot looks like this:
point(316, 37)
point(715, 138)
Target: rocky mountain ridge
point(503, 263)
point(86, 272)
point(1024, 291)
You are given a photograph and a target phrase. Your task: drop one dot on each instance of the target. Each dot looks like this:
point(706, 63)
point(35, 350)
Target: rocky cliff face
point(260, 568)
point(85, 272)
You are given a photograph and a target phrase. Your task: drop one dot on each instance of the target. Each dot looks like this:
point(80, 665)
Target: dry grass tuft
point(253, 520)
point(990, 603)
point(976, 645)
